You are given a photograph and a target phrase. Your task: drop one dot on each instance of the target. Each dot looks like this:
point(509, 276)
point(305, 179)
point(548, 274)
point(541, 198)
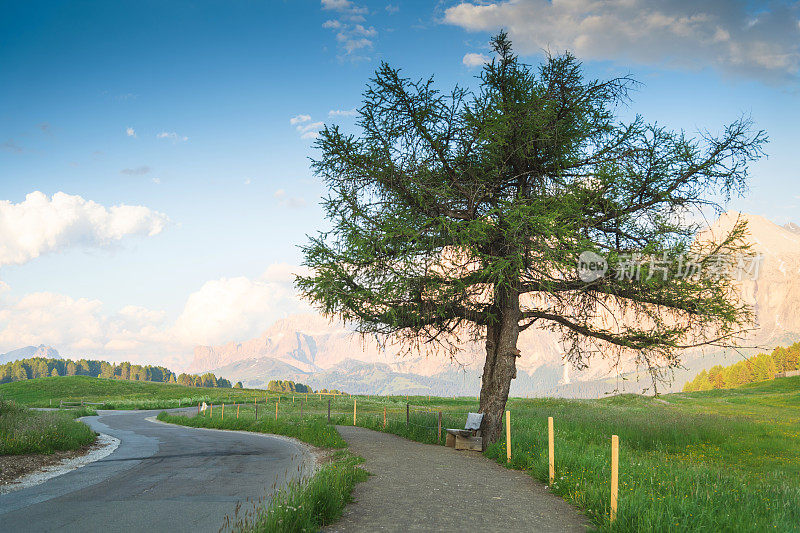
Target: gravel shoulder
point(421, 487)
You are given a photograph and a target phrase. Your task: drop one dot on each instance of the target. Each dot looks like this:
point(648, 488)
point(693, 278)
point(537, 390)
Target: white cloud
point(171, 135)
point(473, 60)
point(342, 113)
point(130, 132)
point(306, 128)
point(351, 34)
point(234, 308)
point(299, 119)
point(222, 310)
point(675, 33)
point(80, 327)
point(41, 224)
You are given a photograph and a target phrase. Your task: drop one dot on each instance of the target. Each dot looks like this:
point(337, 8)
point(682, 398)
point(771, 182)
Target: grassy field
point(314, 431)
point(25, 431)
point(706, 461)
point(722, 460)
point(118, 394)
point(309, 504)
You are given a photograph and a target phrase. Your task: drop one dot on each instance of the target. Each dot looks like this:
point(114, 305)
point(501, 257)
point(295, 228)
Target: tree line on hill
point(761, 367)
point(39, 367)
point(281, 385)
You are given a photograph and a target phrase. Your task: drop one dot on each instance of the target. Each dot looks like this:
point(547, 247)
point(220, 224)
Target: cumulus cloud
point(221, 310)
point(172, 136)
point(41, 224)
point(81, 327)
point(299, 119)
point(130, 132)
point(732, 36)
point(473, 60)
point(342, 113)
point(307, 128)
point(352, 35)
point(239, 308)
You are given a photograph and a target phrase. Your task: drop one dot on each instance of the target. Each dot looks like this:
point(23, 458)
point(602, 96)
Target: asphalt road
point(160, 478)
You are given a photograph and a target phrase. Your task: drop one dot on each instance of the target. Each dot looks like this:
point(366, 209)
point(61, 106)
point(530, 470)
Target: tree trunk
point(500, 368)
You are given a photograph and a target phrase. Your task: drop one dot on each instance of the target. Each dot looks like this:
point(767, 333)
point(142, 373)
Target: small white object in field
point(205, 406)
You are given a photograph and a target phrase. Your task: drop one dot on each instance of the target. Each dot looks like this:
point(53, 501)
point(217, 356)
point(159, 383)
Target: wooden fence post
point(198, 408)
point(354, 410)
point(329, 410)
point(550, 443)
point(614, 475)
point(384, 417)
point(276, 411)
point(211, 410)
point(237, 411)
point(439, 434)
point(408, 415)
point(223, 411)
point(508, 436)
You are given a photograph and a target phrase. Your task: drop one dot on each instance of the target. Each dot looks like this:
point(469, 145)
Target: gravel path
point(420, 487)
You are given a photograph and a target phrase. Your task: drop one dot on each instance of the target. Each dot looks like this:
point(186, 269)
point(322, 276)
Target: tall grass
point(25, 431)
point(119, 394)
point(307, 505)
point(688, 462)
point(314, 431)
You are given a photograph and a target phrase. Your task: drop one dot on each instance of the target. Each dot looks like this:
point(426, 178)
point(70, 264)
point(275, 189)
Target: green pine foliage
point(284, 385)
point(39, 367)
point(761, 367)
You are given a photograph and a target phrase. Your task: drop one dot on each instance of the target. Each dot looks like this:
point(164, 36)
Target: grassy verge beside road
point(25, 431)
point(314, 431)
point(306, 505)
point(713, 461)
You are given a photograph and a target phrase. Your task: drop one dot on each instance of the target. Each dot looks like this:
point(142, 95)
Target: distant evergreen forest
point(761, 367)
point(39, 367)
point(280, 385)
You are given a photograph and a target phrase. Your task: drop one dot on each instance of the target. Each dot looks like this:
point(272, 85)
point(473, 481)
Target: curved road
point(160, 478)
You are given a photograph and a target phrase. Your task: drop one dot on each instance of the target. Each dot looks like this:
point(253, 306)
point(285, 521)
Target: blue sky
point(185, 108)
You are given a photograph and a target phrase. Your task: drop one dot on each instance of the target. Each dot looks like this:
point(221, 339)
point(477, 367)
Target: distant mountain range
point(48, 352)
point(326, 354)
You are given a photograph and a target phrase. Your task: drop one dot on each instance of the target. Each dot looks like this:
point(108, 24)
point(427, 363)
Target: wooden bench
point(468, 438)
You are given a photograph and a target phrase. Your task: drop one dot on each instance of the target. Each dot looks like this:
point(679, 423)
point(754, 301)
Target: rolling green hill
point(118, 394)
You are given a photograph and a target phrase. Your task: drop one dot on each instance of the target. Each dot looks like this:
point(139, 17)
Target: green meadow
point(720, 460)
point(118, 394)
point(705, 461)
point(24, 430)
